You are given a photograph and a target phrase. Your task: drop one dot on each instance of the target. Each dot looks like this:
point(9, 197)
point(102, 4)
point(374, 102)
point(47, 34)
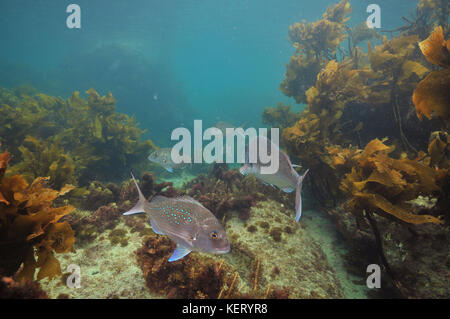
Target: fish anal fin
point(179, 253)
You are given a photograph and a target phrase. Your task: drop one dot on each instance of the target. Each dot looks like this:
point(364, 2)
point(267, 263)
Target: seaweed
point(89, 134)
point(385, 185)
point(109, 201)
point(439, 149)
point(356, 99)
point(198, 276)
point(432, 95)
point(428, 15)
point(45, 158)
point(316, 44)
point(194, 276)
point(111, 141)
point(225, 190)
point(30, 226)
point(280, 116)
point(26, 289)
point(322, 123)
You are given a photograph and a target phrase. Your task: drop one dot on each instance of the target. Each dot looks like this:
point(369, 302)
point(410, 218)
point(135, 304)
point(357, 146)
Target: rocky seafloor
point(269, 252)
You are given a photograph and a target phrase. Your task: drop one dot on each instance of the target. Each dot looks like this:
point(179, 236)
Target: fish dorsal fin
point(285, 157)
point(139, 207)
point(158, 198)
point(188, 199)
point(179, 253)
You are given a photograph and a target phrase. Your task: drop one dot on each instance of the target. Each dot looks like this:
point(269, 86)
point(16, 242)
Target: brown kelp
point(316, 44)
point(280, 116)
point(30, 226)
point(352, 99)
point(432, 95)
point(382, 184)
point(371, 184)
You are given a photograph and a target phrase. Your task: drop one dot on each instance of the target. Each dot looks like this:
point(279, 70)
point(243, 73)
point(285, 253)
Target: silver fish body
point(185, 221)
point(286, 178)
point(222, 126)
point(163, 157)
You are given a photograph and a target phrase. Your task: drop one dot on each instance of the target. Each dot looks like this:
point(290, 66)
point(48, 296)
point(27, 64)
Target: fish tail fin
point(298, 197)
point(139, 207)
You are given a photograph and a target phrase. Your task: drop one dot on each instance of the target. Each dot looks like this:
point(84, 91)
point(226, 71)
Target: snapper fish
point(286, 178)
point(222, 126)
point(164, 158)
point(185, 221)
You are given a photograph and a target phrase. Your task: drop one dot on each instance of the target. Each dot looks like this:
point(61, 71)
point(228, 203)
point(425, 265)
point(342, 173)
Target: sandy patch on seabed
point(107, 271)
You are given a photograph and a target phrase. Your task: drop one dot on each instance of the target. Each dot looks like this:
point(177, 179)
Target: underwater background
point(365, 110)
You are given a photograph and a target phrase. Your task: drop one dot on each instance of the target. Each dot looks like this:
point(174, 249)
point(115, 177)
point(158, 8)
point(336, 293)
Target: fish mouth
point(223, 250)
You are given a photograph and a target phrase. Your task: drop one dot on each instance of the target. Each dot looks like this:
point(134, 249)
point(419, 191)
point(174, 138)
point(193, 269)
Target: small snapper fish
point(222, 126)
point(286, 178)
point(184, 220)
point(164, 158)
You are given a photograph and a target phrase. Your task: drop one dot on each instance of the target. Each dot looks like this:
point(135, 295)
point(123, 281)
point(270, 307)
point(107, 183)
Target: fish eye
point(214, 235)
point(164, 161)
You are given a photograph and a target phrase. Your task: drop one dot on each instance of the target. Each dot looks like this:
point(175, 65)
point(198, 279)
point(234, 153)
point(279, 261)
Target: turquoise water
point(208, 60)
point(168, 63)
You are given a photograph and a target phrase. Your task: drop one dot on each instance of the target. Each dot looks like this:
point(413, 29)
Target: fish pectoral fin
point(169, 169)
point(155, 228)
point(287, 189)
point(295, 165)
point(179, 253)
